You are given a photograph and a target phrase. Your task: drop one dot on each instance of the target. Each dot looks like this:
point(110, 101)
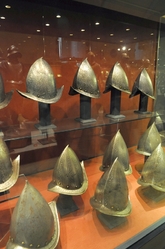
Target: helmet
point(85, 81)
point(154, 171)
point(13, 50)
point(4, 97)
point(9, 171)
point(117, 149)
point(143, 84)
point(40, 83)
point(117, 79)
point(69, 176)
point(34, 223)
point(111, 195)
point(158, 122)
point(149, 141)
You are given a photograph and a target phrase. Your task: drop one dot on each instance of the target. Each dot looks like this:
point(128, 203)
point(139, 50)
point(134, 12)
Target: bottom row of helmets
point(69, 178)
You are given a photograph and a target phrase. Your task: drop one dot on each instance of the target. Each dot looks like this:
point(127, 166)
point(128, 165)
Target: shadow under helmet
point(143, 84)
point(41, 84)
point(85, 82)
point(4, 97)
point(117, 79)
point(9, 170)
point(111, 195)
point(149, 140)
point(117, 149)
point(153, 173)
point(34, 222)
point(69, 176)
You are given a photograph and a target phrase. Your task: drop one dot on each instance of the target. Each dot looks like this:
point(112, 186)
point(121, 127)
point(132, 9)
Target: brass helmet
point(69, 176)
point(117, 149)
point(9, 171)
point(143, 84)
point(111, 195)
point(34, 223)
point(149, 140)
point(4, 97)
point(85, 82)
point(153, 173)
point(40, 83)
point(117, 79)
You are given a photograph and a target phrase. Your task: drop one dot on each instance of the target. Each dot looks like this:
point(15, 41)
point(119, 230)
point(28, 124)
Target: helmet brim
point(46, 101)
point(103, 209)
point(13, 178)
point(7, 99)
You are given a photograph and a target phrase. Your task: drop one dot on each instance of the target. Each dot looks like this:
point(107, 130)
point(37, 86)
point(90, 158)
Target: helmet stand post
point(66, 205)
point(44, 117)
point(85, 110)
point(143, 102)
point(115, 104)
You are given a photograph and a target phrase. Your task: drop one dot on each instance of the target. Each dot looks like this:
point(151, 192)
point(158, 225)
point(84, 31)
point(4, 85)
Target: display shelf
point(83, 229)
point(67, 125)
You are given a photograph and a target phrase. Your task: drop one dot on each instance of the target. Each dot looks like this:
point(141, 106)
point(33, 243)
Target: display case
point(74, 76)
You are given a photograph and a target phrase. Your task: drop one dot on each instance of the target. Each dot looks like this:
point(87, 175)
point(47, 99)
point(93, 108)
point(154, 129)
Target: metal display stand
point(85, 110)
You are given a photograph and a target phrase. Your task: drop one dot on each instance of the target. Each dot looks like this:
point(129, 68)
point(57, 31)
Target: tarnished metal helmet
point(117, 79)
point(9, 171)
point(149, 141)
point(111, 196)
point(158, 122)
point(117, 149)
point(85, 82)
point(40, 83)
point(34, 223)
point(69, 176)
point(143, 84)
point(4, 97)
point(153, 173)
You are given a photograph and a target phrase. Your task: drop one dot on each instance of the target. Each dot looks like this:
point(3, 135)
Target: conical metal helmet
point(40, 83)
point(111, 195)
point(117, 149)
point(85, 81)
point(158, 122)
point(117, 79)
point(9, 171)
point(4, 97)
point(69, 176)
point(34, 223)
point(149, 141)
point(143, 84)
point(153, 173)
